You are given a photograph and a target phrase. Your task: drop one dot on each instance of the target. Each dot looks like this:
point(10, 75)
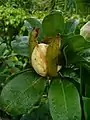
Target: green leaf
point(2, 48)
point(22, 92)
point(86, 55)
point(1, 40)
point(70, 56)
point(87, 89)
point(85, 81)
point(86, 58)
point(86, 102)
point(39, 113)
point(75, 45)
point(64, 100)
point(33, 22)
point(53, 24)
point(27, 25)
point(71, 73)
point(78, 43)
point(70, 26)
point(20, 46)
point(2, 79)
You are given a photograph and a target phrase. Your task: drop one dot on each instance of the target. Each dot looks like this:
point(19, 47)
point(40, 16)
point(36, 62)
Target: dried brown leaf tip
point(35, 32)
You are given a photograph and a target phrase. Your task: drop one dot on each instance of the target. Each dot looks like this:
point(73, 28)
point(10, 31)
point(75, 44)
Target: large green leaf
point(64, 100)
point(40, 112)
point(70, 26)
point(85, 81)
point(34, 22)
point(70, 56)
point(21, 93)
point(20, 46)
point(78, 43)
point(53, 24)
point(75, 45)
point(72, 75)
point(85, 90)
point(86, 102)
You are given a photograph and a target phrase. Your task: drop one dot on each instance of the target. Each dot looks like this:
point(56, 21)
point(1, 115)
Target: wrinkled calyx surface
point(44, 57)
point(85, 31)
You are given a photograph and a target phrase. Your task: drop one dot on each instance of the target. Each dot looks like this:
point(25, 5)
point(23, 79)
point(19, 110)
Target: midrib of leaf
point(33, 83)
point(64, 96)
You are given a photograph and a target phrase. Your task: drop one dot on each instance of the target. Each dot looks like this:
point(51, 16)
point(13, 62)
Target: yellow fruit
point(38, 59)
